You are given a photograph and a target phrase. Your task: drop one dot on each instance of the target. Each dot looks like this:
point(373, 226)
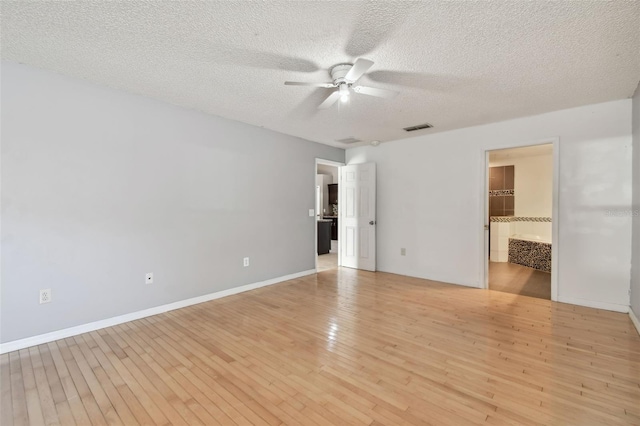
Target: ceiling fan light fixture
point(344, 77)
point(344, 92)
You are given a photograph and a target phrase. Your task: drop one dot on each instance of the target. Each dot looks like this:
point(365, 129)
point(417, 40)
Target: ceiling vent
point(348, 140)
point(418, 127)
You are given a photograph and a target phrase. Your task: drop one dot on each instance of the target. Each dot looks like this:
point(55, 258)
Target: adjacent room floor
point(518, 279)
point(329, 260)
point(335, 348)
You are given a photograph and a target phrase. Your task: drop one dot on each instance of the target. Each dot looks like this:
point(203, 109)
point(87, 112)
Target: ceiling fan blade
point(301, 83)
point(360, 66)
point(432, 82)
point(330, 100)
point(371, 91)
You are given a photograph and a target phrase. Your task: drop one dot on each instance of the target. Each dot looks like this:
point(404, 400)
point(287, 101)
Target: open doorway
point(326, 196)
point(520, 203)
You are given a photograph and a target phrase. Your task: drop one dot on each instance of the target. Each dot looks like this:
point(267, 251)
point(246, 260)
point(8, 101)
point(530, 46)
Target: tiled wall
point(499, 244)
point(533, 254)
point(502, 228)
point(501, 191)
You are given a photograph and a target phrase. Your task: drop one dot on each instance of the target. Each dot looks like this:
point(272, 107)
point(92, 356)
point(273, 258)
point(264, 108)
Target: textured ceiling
point(455, 64)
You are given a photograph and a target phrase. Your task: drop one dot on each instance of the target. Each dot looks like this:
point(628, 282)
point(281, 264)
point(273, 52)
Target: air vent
point(348, 140)
point(418, 127)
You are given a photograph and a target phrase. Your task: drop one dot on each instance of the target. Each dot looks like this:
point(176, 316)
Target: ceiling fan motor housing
point(338, 72)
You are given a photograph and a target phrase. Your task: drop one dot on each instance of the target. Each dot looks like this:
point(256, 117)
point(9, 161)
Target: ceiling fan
point(344, 77)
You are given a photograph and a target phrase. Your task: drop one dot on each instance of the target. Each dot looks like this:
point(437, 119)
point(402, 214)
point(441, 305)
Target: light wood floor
point(342, 347)
point(518, 279)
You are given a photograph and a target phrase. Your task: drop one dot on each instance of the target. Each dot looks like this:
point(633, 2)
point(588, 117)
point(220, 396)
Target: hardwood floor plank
point(141, 404)
point(44, 391)
point(53, 378)
point(213, 392)
point(34, 406)
point(167, 364)
point(76, 406)
point(341, 347)
point(6, 416)
point(97, 389)
point(18, 396)
point(84, 392)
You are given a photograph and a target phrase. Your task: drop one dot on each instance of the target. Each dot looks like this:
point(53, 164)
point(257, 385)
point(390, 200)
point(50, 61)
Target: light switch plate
point(312, 213)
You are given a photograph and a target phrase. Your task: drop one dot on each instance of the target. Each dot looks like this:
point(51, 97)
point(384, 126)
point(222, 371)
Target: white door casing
point(357, 216)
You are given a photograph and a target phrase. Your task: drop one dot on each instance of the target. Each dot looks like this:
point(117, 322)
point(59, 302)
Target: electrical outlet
point(45, 295)
point(245, 262)
point(403, 252)
point(148, 278)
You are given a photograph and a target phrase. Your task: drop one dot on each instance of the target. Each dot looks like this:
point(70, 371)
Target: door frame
point(315, 228)
point(555, 226)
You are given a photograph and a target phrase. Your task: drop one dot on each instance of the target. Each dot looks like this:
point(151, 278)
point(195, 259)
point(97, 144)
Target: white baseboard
point(97, 325)
point(592, 304)
point(634, 320)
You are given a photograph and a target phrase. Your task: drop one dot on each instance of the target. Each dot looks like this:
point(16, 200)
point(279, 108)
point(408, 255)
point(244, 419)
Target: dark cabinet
point(334, 228)
point(333, 193)
point(324, 236)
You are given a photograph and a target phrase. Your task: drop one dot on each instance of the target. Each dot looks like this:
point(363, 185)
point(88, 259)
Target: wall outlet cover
point(45, 295)
point(245, 262)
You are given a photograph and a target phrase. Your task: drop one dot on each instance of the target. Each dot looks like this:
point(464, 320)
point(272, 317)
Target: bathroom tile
point(496, 178)
point(509, 180)
point(493, 238)
point(503, 243)
point(515, 228)
point(498, 203)
point(509, 202)
point(538, 228)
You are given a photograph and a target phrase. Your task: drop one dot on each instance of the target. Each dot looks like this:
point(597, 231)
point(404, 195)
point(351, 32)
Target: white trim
point(593, 304)
point(328, 162)
point(315, 229)
point(555, 220)
point(634, 319)
point(555, 229)
point(484, 202)
point(97, 325)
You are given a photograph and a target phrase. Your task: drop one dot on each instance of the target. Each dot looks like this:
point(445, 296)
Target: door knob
point(372, 222)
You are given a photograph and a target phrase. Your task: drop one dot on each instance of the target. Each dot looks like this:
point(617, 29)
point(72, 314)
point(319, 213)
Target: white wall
point(431, 198)
point(533, 184)
point(326, 169)
point(635, 266)
point(100, 187)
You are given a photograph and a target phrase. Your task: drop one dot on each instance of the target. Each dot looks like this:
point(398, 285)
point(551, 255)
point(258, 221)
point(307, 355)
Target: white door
point(357, 216)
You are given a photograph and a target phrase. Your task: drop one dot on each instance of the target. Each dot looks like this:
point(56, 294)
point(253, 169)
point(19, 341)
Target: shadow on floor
point(518, 279)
